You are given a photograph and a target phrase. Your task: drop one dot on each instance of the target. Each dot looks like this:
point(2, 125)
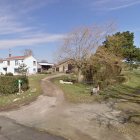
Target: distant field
point(7, 101)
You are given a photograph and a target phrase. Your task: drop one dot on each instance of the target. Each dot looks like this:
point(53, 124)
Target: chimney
point(10, 53)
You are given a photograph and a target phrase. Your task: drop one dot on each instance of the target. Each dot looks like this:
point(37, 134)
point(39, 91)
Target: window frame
point(16, 62)
point(34, 63)
point(8, 62)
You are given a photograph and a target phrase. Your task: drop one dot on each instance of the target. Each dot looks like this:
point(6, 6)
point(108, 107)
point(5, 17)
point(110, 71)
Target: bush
point(9, 74)
point(9, 84)
point(104, 68)
point(135, 66)
point(121, 79)
point(45, 72)
point(70, 79)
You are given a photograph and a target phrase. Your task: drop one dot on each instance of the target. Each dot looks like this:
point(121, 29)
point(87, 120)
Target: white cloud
point(15, 15)
point(9, 25)
point(14, 24)
point(110, 5)
point(32, 41)
point(24, 6)
point(135, 29)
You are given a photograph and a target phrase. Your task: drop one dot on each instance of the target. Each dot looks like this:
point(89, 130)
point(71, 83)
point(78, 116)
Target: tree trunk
point(80, 76)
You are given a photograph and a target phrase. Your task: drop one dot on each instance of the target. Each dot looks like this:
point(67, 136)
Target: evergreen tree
point(22, 69)
point(122, 44)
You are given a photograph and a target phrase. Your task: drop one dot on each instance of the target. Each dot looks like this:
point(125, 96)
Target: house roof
point(15, 58)
point(45, 64)
point(64, 61)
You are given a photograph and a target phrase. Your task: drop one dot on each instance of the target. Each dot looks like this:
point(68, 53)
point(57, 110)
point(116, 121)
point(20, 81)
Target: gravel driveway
point(51, 113)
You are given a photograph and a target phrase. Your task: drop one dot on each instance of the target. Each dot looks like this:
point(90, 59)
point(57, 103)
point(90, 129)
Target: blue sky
point(41, 25)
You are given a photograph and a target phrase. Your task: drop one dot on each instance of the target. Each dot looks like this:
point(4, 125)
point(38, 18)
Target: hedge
point(9, 84)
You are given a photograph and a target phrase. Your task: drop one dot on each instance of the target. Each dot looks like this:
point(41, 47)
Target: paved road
point(10, 130)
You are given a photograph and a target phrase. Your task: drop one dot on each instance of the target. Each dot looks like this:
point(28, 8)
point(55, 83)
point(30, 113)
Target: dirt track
point(50, 112)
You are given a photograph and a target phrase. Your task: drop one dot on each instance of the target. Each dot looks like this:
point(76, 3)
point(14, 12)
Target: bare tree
point(81, 43)
point(28, 52)
point(43, 61)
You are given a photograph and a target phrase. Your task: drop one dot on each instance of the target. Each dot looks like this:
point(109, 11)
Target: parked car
point(130, 62)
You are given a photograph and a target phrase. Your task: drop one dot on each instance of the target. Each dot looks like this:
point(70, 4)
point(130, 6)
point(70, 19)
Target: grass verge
point(125, 96)
point(12, 101)
point(128, 91)
point(76, 93)
point(80, 93)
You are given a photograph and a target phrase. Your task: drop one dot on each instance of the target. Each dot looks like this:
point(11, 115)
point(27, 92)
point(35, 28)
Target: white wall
point(12, 66)
point(32, 69)
point(1, 68)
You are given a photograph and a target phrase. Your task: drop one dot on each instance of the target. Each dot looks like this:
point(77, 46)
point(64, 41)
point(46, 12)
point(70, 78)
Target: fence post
point(19, 86)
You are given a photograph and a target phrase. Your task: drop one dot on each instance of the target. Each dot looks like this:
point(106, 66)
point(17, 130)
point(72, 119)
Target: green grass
point(6, 101)
point(77, 93)
point(126, 95)
point(130, 93)
point(130, 90)
point(80, 93)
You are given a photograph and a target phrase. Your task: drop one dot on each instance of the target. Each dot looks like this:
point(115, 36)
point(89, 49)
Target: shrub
point(104, 68)
point(9, 74)
point(9, 84)
point(49, 71)
point(45, 72)
point(70, 79)
point(135, 66)
point(121, 79)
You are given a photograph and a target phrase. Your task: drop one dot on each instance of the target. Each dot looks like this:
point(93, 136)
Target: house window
point(34, 63)
point(8, 63)
point(16, 70)
point(16, 62)
point(5, 69)
point(34, 70)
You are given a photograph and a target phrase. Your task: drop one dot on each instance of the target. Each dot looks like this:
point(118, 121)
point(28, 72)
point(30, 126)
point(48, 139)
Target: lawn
point(125, 97)
point(80, 93)
point(77, 93)
point(13, 100)
point(130, 90)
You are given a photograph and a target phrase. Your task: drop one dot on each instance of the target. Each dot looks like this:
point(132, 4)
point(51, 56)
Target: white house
point(12, 63)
